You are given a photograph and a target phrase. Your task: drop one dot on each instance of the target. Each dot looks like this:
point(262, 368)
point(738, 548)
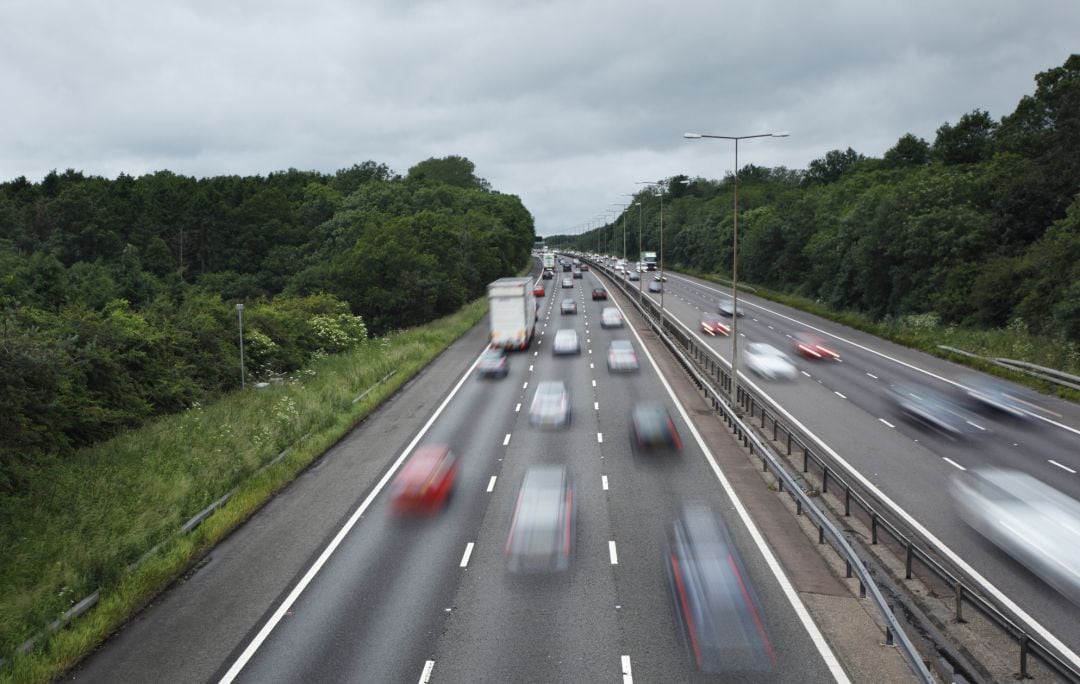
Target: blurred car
point(548, 275)
point(566, 342)
point(655, 286)
point(725, 308)
point(425, 482)
point(577, 274)
point(633, 276)
point(493, 363)
point(1031, 521)
point(933, 409)
point(660, 278)
point(610, 317)
point(550, 405)
point(652, 429)
point(813, 347)
point(543, 528)
point(711, 324)
point(998, 396)
point(568, 306)
point(538, 291)
point(621, 356)
point(567, 282)
point(768, 362)
point(584, 267)
point(717, 607)
point(599, 293)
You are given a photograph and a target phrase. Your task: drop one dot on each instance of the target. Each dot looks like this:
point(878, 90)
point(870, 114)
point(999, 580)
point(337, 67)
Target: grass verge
point(86, 521)
point(924, 332)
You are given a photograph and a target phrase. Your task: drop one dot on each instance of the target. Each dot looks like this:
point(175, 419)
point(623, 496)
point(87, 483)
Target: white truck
point(549, 261)
point(512, 310)
point(649, 259)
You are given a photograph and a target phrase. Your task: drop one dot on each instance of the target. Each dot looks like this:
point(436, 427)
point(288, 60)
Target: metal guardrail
point(881, 517)
point(827, 531)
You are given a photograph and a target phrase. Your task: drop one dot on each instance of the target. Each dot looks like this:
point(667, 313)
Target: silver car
point(769, 362)
point(542, 530)
point(610, 317)
point(550, 405)
point(566, 342)
point(1034, 523)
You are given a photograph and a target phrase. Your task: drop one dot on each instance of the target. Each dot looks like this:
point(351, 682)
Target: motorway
point(380, 598)
point(846, 404)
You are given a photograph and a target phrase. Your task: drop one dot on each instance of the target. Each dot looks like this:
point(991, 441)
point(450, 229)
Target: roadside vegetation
point(84, 520)
point(971, 240)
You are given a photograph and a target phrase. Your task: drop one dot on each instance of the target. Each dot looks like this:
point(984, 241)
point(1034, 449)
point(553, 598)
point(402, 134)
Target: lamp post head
point(691, 135)
point(781, 134)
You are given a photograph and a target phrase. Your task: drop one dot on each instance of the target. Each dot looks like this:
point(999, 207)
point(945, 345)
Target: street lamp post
point(240, 316)
point(622, 211)
point(735, 252)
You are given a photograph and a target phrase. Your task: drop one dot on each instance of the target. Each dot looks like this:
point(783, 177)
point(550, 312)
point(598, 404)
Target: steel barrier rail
point(827, 531)
point(879, 514)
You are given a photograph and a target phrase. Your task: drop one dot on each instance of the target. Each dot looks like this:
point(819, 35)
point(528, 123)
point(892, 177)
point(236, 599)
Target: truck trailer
point(512, 311)
point(649, 259)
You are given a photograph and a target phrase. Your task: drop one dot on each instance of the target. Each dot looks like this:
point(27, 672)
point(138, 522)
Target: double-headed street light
point(622, 211)
point(735, 252)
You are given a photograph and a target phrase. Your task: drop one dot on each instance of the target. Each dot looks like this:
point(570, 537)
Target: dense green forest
point(118, 297)
point(980, 227)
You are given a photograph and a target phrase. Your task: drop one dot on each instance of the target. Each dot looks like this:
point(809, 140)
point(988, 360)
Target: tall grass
point(84, 521)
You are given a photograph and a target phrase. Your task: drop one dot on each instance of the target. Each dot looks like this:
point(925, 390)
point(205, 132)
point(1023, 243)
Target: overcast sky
point(564, 103)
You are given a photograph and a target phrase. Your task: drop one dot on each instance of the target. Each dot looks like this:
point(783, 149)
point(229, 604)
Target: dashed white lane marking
point(536, 353)
point(530, 368)
point(506, 440)
point(805, 373)
point(975, 425)
point(886, 422)
point(1063, 467)
point(526, 385)
point(839, 395)
point(590, 351)
point(468, 552)
point(599, 437)
point(425, 676)
point(491, 483)
point(590, 364)
point(594, 383)
point(517, 408)
point(873, 376)
point(603, 482)
point(596, 406)
point(611, 552)
point(953, 463)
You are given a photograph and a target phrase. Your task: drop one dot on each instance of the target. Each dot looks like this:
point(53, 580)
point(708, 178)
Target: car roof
point(622, 344)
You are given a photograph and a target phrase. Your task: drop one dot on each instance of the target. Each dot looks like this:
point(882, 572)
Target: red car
point(813, 347)
point(711, 324)
point(599, 293)
point(425, 482)
point(538, 291)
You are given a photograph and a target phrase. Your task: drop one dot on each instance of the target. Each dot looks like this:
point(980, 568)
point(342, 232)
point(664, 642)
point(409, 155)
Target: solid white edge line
point(468, 552)
point(1063, 467)
point(873, 376)
point(506, 439)
point(627, 676)
point(839, 395)
point(603, 481)
point(953, 463)
point(931, 538)
point(253, 646)
point(612, 553)
point(826, 652)
point(425, 676)
point(491, 483)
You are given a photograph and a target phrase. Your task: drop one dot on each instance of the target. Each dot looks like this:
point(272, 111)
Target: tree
point(909, 150)
point(968, 142)
point(830, 168)
point(452, 170)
